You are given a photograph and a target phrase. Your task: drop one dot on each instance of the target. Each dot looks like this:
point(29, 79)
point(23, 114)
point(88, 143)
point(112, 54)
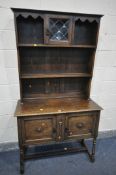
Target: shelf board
point(45, 45)
point(54, 75)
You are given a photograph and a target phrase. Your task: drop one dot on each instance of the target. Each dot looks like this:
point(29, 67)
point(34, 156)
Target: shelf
point(45, 45)
point(54, 75)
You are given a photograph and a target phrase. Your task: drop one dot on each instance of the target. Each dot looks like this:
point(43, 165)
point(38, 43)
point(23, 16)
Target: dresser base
point(53, 126)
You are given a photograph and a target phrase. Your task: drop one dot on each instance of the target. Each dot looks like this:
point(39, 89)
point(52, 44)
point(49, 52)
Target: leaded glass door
point(58, 29)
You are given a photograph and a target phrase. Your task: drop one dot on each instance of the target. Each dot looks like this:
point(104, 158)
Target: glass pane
point(58, 29)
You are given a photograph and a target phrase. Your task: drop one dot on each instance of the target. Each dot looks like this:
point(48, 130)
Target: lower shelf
point(54, 149)
point(59, 149)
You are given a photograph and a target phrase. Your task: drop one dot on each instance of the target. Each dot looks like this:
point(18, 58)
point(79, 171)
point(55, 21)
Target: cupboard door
point(58, 29)
point(80, 125)
point(39, 129)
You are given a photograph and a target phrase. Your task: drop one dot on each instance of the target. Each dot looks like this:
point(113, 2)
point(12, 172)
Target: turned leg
point(93, 150)
point(21, 160)
point(25, 149)
point(92, 153)
point(82, 142)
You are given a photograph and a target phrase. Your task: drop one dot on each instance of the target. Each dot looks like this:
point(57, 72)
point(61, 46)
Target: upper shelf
point(46, 45)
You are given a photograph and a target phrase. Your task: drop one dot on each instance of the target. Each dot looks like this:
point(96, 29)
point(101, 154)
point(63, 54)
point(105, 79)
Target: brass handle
point(79, 125)
point(40, 129)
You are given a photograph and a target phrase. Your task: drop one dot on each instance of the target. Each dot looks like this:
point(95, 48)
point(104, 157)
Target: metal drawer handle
point(80, 125)
point(40, 129)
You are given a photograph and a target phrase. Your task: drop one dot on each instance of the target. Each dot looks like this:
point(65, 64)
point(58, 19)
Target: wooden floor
point(55, 106)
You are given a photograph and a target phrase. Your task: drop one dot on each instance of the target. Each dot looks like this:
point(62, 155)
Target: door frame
point(47, 32)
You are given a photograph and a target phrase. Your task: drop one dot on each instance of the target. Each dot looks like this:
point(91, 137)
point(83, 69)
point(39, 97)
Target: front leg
point(93, 150)
point(21, 160)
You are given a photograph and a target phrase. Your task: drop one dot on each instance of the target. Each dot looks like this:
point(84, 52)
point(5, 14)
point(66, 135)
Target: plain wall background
point(103, 89)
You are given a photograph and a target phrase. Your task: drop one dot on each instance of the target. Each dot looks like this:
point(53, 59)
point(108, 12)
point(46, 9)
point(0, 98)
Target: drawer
point(39, 129)
point(80, 125)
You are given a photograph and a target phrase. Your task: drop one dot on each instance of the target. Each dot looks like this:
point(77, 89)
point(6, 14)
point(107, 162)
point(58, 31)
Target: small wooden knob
point(39, 129)
point(43, 124)
point(79, 125)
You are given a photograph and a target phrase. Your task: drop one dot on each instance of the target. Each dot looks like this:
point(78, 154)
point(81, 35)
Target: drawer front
point(80, 125)
point(39, 129)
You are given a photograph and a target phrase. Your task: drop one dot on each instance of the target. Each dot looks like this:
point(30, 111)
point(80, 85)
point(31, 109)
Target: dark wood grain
point(85, 32)
point(51, 88)
point(55, 106)
point(28, 30)
point(55, 62)
point(80, 124)
point(39, 129)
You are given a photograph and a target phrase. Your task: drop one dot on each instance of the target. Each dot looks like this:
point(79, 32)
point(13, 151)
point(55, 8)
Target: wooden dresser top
point(55, 106)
